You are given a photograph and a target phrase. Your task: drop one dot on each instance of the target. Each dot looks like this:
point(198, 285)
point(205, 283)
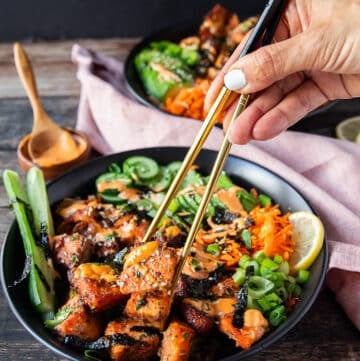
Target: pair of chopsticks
point(261, 35)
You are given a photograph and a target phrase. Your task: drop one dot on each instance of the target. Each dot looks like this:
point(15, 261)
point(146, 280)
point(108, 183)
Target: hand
point(315, 58)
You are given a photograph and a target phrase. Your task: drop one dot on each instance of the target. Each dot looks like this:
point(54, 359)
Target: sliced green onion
point(282, 293)
point(259, 256)
point(247, 200)
point(239, 276)
point(277, 316)
point(213, 249)
point(264, 200)
point(259, 286)
point(243, 260)
point(297, 290)
point(267, 266)
point(174, 205)
point(284, 267)
point(224, 181)
point(246, 237)
point(252, 303)
point(270, 301)
point(302, 276)
point(255, 265)
point(278, 259)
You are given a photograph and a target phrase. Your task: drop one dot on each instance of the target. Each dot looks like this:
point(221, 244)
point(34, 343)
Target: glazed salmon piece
point(255, 325)
point(148, 268)
point(98, 286)
point(131, 228)
point(131, 340)
point(152, 309)
point(176, 343)
point(71, 249)
point(80, 322)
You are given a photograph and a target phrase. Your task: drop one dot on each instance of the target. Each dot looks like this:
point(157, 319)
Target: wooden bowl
point(54, 171)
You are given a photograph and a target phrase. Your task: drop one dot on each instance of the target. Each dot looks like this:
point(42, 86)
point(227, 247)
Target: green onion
point(247, 200)
point(267, 266)
point(252, 303)
point(282, 293)
point(224, 181)
point(242, 262)
point(278, 259)
point(284, 267)
point(277, 316)
point(239, 276)
point(255, 265)
point(259, 286)
point(297, 290)
point(213, 249)
point(246, 237)
point(270, 301)
point(259, 256)
point(174, 205)
point(264, 200)
point(302, 276)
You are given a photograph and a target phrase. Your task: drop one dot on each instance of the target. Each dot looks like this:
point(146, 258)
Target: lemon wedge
point(349, 129)
point(308, 234)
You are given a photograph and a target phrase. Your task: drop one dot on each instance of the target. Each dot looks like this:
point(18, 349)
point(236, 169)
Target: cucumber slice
point(112, 179)
point(140, 168)
point(39, 203)
point(41, 283)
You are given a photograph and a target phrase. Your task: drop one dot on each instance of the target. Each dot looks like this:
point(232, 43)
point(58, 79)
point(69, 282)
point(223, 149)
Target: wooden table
point(325, 333)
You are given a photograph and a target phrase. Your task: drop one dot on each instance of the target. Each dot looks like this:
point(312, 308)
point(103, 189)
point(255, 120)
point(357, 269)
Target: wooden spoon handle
point(26, 74)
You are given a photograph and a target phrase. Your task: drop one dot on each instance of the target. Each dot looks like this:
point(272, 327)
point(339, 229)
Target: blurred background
point(68, 19)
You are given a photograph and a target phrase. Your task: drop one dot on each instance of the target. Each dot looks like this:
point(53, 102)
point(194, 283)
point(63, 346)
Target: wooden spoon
point(49, 144)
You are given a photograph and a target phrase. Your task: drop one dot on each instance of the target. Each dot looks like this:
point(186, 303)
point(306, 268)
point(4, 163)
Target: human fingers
point(260, 69)
point(264, 102)
point(291, 109)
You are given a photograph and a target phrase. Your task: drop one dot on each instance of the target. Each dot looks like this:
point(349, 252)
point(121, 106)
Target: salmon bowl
point(81, 182)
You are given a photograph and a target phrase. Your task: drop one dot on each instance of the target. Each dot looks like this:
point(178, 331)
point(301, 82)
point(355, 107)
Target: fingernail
point(235, 79)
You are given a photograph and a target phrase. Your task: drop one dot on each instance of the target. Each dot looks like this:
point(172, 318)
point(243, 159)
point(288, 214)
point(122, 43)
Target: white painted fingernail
point(235, 79)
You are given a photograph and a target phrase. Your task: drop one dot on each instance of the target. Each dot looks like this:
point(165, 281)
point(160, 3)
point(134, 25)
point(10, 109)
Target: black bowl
point(80, 182)
point(175, 34)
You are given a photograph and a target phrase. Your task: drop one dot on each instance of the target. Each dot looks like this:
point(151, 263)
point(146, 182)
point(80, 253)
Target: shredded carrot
point(188, 102)
point(232, 253)
point(272, 232)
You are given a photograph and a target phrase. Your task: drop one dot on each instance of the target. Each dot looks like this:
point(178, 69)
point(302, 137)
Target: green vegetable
point(174, 167)
point(277, 316)
point(252, 263)
point(160, 182)
point(214, 249)
point(112, 195)
point(247, 200)
point(267, 266)
point(278, 259)
point(246, 237)
point(243, 260)
point(39, 202)
point(302, 276)
point(41, 284)
point(269, 301)
point(193, 178)
point(264, 200)
point(239, 276)
point(224, 181)
point(259, 286)
point(259, 256)
point(59, 317)
point(141, 168)
point(161, 70)
point(114, 168)
point(113, 177)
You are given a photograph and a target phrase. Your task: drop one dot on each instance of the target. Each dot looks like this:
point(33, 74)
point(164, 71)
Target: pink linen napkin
point(325, 170)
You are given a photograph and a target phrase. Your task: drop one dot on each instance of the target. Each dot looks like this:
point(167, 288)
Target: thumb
point(263, 67)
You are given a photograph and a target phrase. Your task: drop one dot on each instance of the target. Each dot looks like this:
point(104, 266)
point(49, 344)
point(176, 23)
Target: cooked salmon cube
point(79, 322)
point(132, 341)
point(131, 228)
point(71, 249)
point(152, 309)
point(148, 268)
point(98, 286)
point(255, 325)
point(176, 343)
